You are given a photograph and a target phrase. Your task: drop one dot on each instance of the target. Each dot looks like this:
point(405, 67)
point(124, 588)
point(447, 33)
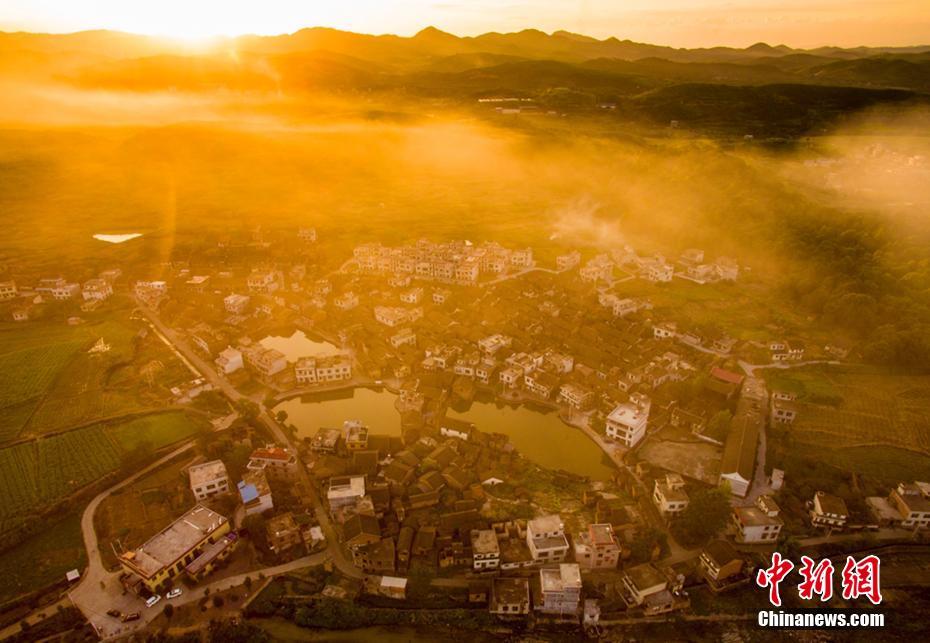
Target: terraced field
point(38, 473)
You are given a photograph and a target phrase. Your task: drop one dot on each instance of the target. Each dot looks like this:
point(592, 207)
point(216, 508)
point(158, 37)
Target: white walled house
point(208, 479)
point(627, 422)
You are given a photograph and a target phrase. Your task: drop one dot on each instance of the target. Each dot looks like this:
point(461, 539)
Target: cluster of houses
point(657, 268)
point(457, 262)
point(24, 301)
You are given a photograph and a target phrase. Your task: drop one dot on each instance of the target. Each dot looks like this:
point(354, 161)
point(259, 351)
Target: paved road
point(209, 373)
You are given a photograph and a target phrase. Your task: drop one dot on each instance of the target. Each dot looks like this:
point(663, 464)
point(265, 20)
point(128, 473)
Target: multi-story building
point(642, 581)
point(669, 495)
point(282, 532)
point(346, 301)
point(912, 503)
point(545, 537)
point(267, 362)
point(486, 553)
point(264, 282)
point(208, 479)
point(177, 548)
point(276, 462)
point(96, 290)
point(828, 511)
point(568, 260)
point(229, 360)
point(403, 337)
point(757, 524)
point(560, 589)
point(343, 491)
point(320, 370)
point(576, 396)
point(509, 597)
point(719, 562)
point(255, 492)
point(8, 290)
point(597, 547)
point(236, 303)
point(58, 288)
point(627, 422)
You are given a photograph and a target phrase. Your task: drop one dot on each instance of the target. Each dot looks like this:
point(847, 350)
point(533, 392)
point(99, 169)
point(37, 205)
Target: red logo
point(858, 578)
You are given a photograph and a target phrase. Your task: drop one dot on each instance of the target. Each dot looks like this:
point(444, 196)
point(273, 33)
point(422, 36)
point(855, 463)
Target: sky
point(683, 23)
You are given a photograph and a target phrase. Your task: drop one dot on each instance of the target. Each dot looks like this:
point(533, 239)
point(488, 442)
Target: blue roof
point(248, 492)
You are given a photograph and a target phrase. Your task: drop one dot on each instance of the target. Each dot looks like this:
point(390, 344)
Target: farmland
point(38, 473)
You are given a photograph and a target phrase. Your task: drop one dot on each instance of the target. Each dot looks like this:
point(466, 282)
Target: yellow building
point(187, 542)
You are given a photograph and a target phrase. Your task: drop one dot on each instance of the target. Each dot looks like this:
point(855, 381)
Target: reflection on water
point(298, 345)
point(117, 238)
point(374, 408)
point(538, 434)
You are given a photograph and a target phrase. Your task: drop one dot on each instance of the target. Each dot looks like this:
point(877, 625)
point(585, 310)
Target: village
point(679, 412)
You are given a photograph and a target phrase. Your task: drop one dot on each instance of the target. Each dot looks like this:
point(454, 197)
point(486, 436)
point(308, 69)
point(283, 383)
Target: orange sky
point(687, 23)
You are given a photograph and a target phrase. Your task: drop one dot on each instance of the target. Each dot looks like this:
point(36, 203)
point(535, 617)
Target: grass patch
point(882, 463)
point(155, 430)
point(43, 559)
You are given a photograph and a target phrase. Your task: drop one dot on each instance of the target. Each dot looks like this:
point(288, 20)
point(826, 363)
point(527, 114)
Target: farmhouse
point(229, 360)
point(597, 548)
point(255, 492)
point(669, 495)
point(545, 537)
point(509, 596)
point(560, 589)
point(758, 524)
point(627, 422)
point(828, 511)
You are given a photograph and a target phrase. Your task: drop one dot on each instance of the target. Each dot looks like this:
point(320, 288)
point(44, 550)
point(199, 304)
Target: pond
point(538, 435)
point(299, 345)
point(117, 238)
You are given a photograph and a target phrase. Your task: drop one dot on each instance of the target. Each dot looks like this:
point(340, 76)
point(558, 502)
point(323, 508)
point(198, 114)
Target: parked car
point(174, 593)
point(130, 617)
point(152, 600)
point(114, 613)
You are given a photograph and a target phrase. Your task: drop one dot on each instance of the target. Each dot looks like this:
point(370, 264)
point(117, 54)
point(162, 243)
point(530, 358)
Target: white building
point(757, 524)
point(58, 288)
point(7, 290)
point(264, 281)
point(318, 370)
point(229, 361)
point(343, 491)
point(545, 537)
point(560, 589)
point(236, 303)
point(208, 479)
point(97, 290)
point(627, 422)
point(669, 495)
point(255, 492)
point(346, 301)
point(486, 553)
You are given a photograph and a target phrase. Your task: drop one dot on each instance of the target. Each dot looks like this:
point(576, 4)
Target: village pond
point(539, 435)
point(299, 345)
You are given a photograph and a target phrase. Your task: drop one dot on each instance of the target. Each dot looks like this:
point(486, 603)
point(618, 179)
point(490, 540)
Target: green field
point(42, 559)
point(40, 472)
point(49, 382)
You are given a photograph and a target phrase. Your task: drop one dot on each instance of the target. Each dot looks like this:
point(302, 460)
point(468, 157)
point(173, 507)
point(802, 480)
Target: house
point(828, 511)
point(267, 362)
point(642, 581)
point(393, 587)
point(58, 288)
point(326, 440)
point(282, 532)
point(913, 504)
point(412, 296)
point(276, 462)
point(346, 301)
point(321, 370)
point(576, 396)
point(255, 492)
point(177, 547)
point(96, 290)
point(665, 330)
point(343, 491)
point(757, 524)
point(739, 454)
point(264, 282)
point(307, 235)
point(597, 547)
point(376, 558)
point(424, 542)
point(627, 422)
point(509, 597)
point(719, 562)
point(784, 411)
point(441, 296)
point(403, 337)
point(236, 304)
point(229, 361)
point(355, 435)
point(361, 530)
point(540, 383)
point(486, 553)
point(208, 479)
point(8, 290)
point(454, 428)
point(560, 589)
point(669, 495)
point(568, 260)
point(545, 537)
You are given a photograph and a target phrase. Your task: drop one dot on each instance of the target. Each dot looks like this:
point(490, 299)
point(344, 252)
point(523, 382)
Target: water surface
point(117, 238)
point(299, 345)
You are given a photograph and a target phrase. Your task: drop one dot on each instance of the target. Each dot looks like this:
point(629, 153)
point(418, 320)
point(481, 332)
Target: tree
point(706, 514)
point(281, 416)
point(247, 409)
point(168, 611)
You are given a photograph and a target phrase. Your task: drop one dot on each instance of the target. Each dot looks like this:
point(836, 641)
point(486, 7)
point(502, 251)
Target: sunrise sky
point(686, 23)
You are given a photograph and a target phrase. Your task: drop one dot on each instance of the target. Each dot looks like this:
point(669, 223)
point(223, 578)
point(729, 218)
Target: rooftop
point(567, 576)
point(484, 541)
point(754, 517)
point(175, 540)
point(545, 524)
point(207, 472)
point(645, 576)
